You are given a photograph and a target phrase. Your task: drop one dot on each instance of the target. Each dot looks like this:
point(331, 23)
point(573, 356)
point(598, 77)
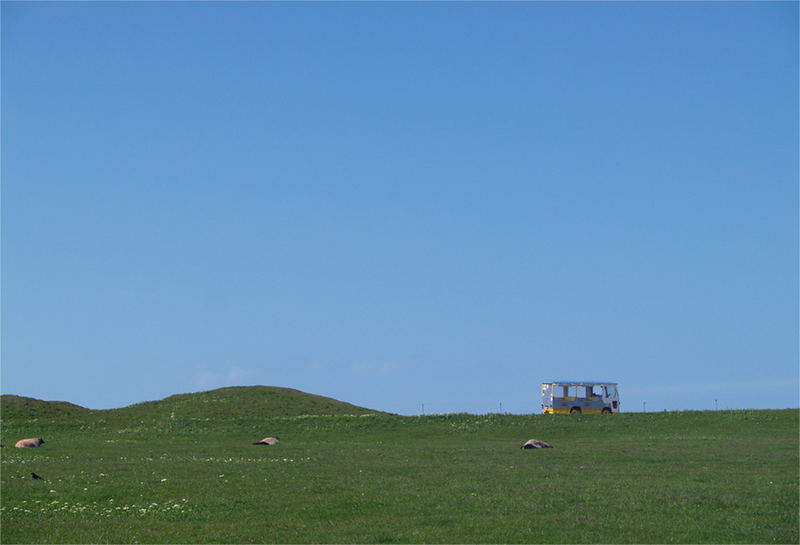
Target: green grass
point(137, 475)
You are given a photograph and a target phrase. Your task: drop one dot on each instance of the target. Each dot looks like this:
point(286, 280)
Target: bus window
point(582, 391)
point(611, 391)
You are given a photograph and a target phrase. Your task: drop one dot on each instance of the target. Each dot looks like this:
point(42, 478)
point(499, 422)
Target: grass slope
point(222, 404)
point(13, 407)
point(240, 402)
point(699, 477)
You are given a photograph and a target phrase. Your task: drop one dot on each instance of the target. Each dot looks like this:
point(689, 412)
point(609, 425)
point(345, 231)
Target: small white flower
point(163, 480)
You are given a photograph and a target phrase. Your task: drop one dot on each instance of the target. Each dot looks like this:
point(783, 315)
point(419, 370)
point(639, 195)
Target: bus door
point(611, 398)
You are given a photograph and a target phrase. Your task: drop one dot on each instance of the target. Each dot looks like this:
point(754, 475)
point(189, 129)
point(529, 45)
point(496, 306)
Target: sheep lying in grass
point(267, 441)
point(29, 443)
point(535, 443)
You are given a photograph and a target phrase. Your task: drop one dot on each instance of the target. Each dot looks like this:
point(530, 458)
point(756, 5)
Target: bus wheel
point(575, 410)
point(606, 410)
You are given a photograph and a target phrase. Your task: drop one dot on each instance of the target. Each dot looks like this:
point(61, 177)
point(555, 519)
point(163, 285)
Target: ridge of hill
point(228, 403)
point(14, 406)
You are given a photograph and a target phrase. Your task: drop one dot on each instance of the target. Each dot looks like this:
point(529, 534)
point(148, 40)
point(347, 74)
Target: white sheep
point(29, 443)
point(535, 443)
point(267, 441)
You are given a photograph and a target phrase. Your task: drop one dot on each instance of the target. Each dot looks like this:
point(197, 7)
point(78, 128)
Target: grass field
point(183, 470)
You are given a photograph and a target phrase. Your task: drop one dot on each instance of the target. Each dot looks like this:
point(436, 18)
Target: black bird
point(35, 476)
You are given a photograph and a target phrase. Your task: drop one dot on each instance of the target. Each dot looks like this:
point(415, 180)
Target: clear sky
point(394, 204)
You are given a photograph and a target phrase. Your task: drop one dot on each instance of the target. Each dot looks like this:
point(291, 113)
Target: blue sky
point(394, 204)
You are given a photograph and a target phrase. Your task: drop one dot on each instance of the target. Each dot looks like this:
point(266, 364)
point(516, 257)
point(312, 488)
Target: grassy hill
point(355, 476)
point(14, 407)
point(241, 402)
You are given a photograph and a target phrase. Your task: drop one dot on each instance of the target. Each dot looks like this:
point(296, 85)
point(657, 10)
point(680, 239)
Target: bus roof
point(583, 383)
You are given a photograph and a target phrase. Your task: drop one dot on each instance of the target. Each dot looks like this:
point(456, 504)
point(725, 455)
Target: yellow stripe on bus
point(567, 411)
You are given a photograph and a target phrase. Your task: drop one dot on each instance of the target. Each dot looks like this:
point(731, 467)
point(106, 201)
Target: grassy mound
point(239, 402)
point(234, 403)
point(13, 407)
